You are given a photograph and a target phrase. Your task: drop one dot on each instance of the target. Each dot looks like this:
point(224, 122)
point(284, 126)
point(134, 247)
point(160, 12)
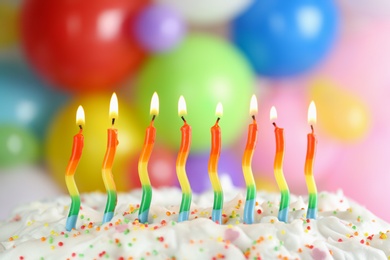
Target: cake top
point(343, 229)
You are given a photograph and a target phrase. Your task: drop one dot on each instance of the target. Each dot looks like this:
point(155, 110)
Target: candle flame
point(219, 110)
point(273, 115)
point(253, 106)
point(182, 106)
point(113, 107)
point(80, 116)
point(312, 114)
point(154, 105)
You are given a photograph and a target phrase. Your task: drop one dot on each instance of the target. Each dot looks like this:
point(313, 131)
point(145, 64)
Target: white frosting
point(343, 230)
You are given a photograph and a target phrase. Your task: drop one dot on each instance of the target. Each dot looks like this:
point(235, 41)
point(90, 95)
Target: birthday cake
point(342, 230)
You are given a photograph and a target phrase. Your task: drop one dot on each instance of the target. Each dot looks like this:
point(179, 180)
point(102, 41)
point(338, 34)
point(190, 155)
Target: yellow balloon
point(88, 175)
point(340, 113)
point(9, 25)
point(265, 184)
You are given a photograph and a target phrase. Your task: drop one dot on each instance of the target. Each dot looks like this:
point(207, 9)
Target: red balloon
point(161, 168)
point(82, 45)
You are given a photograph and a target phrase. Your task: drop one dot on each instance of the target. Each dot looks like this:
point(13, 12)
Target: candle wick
point(218, 119)
point(253, 117)
point(182, 117)
point(81, 127)
point(113, 121)
point(312, 128)
point(153, 117)
point(274, 124)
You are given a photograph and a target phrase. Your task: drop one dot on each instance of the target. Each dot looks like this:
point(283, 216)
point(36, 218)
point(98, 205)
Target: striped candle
point(181, 163)
point(112, 143)
point(278, 169)
point(150, 137)
point(311, 150)
point(213, 167)
point(78, 144)
point(249, 209)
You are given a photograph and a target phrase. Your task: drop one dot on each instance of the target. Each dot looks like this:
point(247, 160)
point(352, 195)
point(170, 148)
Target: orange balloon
point(88, 175)
point(341, 113)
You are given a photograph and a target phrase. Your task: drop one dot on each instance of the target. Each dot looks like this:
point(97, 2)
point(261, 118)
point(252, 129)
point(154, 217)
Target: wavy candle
point(181, 163)
point(150, 137)
point(249, 208)
point(77, 149)
point(311, 150)
point(278, 169)
point(213, 167)
point(112, 143)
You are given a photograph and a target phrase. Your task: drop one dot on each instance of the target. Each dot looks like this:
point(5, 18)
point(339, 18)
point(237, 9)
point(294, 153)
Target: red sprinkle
point(60, 243)
point(362, 241)
point(259, 211)
point(340, 240)
point(73, 254)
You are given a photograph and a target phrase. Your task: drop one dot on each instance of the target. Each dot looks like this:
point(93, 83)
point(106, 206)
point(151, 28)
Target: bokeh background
point(56, 55)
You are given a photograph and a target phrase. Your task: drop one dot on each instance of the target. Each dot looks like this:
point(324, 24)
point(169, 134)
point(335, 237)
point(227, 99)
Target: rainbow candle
point(216, 215)
point(181, 163)
point(77, 149)
point(278, 169)
point(150, 137)
point(249, 209)
point(311, 150)
point(112, 143)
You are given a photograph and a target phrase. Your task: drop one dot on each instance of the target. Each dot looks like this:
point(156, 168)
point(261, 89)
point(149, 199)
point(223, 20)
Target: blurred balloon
point(25, 100)
point(161, 168)
point(291, 103)
point(229, 171)
point(9, 30)
point(204, 12)
point(265, 183)
point(284, 38)
point(18, 146)
point(60, 137)
point(190, 71)
point(343, 115)
point(159, 28)
point(79, 45)
point(362, 171)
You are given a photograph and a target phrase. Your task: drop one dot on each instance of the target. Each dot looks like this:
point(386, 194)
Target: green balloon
point(17, 146)
point(205, 70)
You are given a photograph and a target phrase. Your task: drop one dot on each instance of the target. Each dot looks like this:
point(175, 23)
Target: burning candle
point(77, 149)
point(311, 150)
point(278, 169)
point(213, 167)
point(143, 162)
point(112, 143)
point(249, 208)
point(181, 163)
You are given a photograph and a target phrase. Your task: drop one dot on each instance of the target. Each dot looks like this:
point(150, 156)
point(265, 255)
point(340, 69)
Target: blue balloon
point(229, 171)
point(25, 101)
point(284, 38)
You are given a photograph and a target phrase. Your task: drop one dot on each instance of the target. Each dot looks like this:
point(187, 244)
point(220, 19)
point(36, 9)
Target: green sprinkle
point(119, 244)
point(276, 248)
point(127, 220)
point(130, 244)
point(90, 246)
point(81, 255)
point(155, 252)
point(51, 240)
point(87, 231)
point(334, 212)
point(82, 216)
point(354, 227)
point(127, 231)
point(201, 249)
point(66, 235)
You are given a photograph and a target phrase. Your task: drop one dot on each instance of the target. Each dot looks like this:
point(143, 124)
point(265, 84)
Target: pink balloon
point(291, 104)
point(360, 61)
point(362, 172)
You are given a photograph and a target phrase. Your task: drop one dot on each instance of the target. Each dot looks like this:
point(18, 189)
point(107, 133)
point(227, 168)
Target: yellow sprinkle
point(219, 239)
point(52, 247)
point(237, 221)
point(306, 231)
point(29, 223)
point(349, 210)
point(230, 226)
point(134, 239)
point(270, 237)
point(46, 224)
point(383, 236)
point(282, 231)
point(366, 234)
point(154, 216)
